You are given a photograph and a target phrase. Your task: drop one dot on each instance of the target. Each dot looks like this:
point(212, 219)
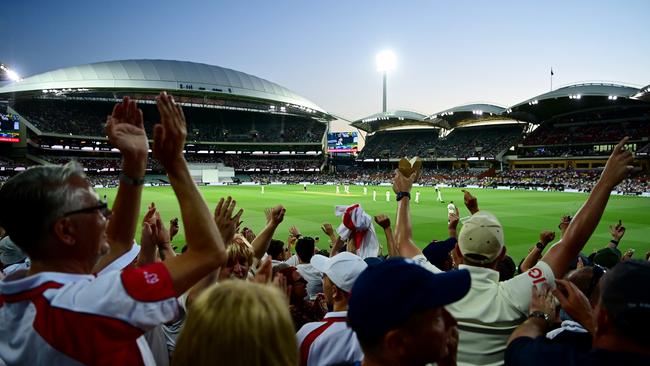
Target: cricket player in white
point(417, 197)
point(337, 189)
point(387, 196)
point(439, 199)
point(262, 189)
point(365, 191)
point(374, 195)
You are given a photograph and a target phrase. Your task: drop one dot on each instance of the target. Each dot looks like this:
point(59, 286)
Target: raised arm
point(470, 202)
point(383, 221)
point(617, 233)
point(587, 218)
point(205, 248)
point(274, 217)
point(536, 251)
point(125, 130)
point(403, 228)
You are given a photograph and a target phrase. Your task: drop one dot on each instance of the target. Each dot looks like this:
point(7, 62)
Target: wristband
point(615, 242)
point(401, 195)
point(540, 315)
point(540, 246)
point(131, 181)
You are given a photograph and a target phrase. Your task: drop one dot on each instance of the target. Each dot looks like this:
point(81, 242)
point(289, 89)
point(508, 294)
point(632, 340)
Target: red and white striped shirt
point(71, 319)
point(328, 342)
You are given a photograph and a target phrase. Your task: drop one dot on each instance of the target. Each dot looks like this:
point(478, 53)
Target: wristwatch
point(540, 246)
point(132, 181)
point(541, 315)
point(401, 195)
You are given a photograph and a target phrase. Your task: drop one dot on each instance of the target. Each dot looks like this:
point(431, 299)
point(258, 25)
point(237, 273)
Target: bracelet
point(132, 181)
point(615, 242)
point(540, 246)
point(540, 315)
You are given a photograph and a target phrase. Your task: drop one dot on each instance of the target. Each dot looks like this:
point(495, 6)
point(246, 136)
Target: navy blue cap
point(438, 251)
point(387, 294)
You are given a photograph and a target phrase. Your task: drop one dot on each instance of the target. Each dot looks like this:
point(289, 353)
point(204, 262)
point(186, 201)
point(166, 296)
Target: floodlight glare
point(11, 74)
point(385, 61)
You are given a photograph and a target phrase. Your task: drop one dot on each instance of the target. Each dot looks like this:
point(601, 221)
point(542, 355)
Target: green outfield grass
point(523, 213)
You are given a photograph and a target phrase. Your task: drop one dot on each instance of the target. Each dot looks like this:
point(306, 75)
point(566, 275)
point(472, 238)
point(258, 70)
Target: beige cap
point(481, 235)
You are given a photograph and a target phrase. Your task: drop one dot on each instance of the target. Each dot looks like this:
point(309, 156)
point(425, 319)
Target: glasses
point(598, 272)
point(102, 207)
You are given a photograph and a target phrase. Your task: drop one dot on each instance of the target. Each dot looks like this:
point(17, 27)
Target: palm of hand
point(127, 137)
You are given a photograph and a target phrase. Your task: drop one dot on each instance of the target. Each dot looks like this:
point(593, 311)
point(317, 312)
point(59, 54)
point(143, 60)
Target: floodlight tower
point(385, 63)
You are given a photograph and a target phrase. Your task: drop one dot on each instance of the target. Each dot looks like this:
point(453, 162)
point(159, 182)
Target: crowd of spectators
point(593, 132)
point(75, 289)
point(463, 142)
point(87, 118)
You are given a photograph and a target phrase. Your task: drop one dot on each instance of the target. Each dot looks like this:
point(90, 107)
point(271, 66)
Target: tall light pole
point(385, 63)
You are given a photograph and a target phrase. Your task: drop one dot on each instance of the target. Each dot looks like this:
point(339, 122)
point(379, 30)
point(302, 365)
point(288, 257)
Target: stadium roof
point(643, 94)
point(158, 75)
point(574, 99)
point(467, 114)
point(390, 119)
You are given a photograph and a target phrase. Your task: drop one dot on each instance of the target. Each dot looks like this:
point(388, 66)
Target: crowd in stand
point(587, 132)
point(76, 290)
point(464, 142)
point(88, 118)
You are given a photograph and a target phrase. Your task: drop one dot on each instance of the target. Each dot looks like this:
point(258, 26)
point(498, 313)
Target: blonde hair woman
point(238, 323)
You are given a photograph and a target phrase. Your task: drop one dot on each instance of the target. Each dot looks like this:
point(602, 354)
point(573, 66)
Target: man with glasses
point(58, 312)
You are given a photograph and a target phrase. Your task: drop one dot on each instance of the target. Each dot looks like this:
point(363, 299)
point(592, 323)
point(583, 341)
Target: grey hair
point(34, 199)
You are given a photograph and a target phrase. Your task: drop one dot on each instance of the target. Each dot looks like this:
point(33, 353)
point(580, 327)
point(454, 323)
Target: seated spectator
point(619, 323)
point(60, 223)
point(396, 308)
point(238, 323)
point(331, 341)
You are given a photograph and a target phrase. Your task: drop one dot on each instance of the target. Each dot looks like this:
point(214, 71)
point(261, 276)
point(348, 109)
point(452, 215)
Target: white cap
point(481, 234)
point(342, 269)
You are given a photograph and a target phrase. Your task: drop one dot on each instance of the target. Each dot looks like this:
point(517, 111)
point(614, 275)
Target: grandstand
point(263, 132)
point(233, 118)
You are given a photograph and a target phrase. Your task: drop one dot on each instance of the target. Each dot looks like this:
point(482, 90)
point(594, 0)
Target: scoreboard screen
point(344, 142)
point(9, 127)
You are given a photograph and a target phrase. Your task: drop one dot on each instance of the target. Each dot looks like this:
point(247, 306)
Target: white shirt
point(314, 279)
point(53, 318)
point(491, 311)
point(451, 208)
point(336, 343)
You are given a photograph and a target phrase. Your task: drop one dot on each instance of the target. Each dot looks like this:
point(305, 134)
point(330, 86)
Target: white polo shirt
point(491, 311)
point(53, 318)
point(328, 342)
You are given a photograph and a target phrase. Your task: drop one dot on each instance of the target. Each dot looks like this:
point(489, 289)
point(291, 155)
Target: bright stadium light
point(11, 74)
point(385, 62)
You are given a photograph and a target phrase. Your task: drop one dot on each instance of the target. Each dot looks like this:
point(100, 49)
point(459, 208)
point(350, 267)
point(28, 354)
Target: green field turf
point(522, 213)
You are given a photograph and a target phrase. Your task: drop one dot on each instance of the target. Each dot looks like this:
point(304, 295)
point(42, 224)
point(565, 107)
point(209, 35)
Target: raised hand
point(470, 202)
point(264, 273)
point(546, 237)
point(383, 221)
point(293, 231)
point(274, 215)
point(564, 223)
point(125, 130)
point(402, 183)
point(618, 165)
point(169, 135)
point(173, 228)
point(226, 223)
point(327, 229)
point(617, 231)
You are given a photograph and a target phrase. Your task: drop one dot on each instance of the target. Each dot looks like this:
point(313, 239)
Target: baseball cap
point(607, 257)
point(482, 236)
point(438, 251)
point(342, 269)
point(404, 287)
point(9, 252)
point(625, 294)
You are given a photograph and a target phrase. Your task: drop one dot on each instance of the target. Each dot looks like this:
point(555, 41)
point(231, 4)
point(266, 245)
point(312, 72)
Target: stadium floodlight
point(11, 74)
point(385, 63)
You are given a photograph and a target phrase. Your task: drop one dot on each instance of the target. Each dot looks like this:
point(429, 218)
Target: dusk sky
point(448, 52)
